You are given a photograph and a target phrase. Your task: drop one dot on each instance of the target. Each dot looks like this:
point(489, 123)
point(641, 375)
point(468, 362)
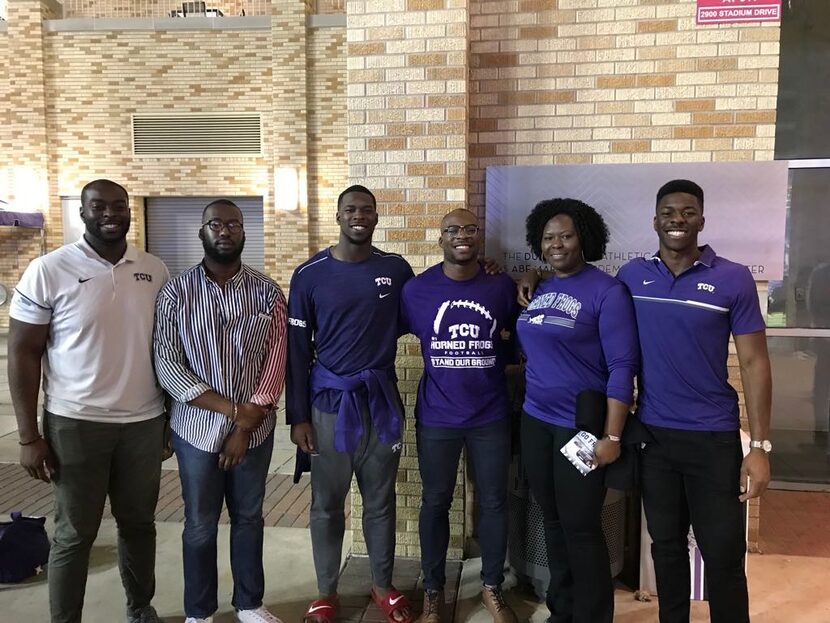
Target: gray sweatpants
point(376, 466)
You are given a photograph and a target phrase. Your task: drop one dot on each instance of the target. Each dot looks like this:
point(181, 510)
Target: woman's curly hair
point(590, 226)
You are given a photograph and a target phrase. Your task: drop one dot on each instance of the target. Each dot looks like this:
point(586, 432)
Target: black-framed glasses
point(217, 224)
point(454, 230)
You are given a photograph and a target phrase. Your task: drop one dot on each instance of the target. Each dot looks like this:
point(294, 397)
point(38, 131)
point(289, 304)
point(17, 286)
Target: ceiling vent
point(197, 134)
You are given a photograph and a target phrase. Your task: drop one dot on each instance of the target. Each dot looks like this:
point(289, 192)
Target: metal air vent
point(197, 134)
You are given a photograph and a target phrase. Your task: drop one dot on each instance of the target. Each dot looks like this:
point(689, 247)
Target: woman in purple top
point(578, 333)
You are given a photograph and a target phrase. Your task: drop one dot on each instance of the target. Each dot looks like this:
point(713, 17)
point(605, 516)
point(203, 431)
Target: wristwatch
point(765, 445)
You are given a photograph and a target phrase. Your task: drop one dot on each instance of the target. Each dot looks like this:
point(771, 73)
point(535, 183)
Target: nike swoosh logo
point(383, 296)
point(83, 280)
point(645, 283)
point(316, 608)
point(392, 602)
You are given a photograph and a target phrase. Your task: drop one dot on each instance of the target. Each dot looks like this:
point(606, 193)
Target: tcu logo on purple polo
point(142, 277)
point(383, 281)
point(705, 286)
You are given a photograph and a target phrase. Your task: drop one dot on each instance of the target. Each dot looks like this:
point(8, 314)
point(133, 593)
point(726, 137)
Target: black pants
point(694, 477)
point(580, 589)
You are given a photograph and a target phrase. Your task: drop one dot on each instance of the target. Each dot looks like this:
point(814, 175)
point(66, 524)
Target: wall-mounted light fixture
point(286, 189)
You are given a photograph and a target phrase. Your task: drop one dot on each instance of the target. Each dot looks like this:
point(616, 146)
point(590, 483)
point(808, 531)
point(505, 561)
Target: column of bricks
point(407, 132)
point(288, 133)
point(327, 161)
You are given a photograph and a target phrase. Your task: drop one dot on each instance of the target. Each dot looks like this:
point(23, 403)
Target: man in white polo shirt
point(83, 316)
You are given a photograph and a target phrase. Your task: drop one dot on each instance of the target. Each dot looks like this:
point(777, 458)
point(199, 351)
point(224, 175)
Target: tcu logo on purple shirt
point(142, 277)
point(705, 286)
point(463, 330)
point(383, 281)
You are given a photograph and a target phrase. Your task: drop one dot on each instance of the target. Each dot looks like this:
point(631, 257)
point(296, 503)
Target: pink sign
point(736, 11)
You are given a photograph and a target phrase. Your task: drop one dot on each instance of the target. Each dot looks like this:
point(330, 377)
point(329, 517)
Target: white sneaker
point(195, 620)
point(260, 615)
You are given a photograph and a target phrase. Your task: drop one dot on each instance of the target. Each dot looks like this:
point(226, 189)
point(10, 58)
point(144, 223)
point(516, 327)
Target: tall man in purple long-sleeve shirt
point(341, 396)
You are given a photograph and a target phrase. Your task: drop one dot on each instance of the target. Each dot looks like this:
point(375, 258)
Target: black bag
point(591, 411)
point(24, 547)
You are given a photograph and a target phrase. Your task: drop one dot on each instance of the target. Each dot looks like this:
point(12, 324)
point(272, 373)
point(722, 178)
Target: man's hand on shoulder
point(491, 266)
point(527, 286)
point(36, 458)
point(302, 435)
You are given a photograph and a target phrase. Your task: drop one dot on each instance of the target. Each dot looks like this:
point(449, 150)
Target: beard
point(223, 257)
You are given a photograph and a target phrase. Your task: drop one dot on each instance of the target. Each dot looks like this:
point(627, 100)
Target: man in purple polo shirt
point(688, 301)
point(458, 312)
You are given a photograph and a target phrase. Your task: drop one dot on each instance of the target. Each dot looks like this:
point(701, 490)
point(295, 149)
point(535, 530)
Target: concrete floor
point(783, 589)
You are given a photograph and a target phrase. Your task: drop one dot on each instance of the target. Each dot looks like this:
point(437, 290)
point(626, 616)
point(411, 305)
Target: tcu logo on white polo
point(705, 286)
point(383, 281)
point(142, 277)
point(463, 330)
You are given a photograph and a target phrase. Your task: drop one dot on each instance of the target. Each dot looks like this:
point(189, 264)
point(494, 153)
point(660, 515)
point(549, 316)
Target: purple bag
point(24, 547)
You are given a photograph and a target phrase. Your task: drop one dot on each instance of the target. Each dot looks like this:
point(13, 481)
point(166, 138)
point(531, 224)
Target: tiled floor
point(795, 523)
point(286, 504)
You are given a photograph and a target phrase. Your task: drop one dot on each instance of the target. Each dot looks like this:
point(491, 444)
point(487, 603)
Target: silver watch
point(765, 445)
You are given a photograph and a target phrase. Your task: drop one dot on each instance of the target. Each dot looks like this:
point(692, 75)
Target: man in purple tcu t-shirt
point(458, 312)
point(688, 301)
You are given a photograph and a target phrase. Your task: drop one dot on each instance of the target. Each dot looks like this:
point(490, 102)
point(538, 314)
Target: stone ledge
point(93, 24)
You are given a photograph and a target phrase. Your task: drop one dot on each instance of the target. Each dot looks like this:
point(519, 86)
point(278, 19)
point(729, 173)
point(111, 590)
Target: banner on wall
point(745, 209)
point(737, 11)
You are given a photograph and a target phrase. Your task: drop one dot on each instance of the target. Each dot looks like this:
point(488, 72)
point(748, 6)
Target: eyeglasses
point(454, 230)
point(216, 224)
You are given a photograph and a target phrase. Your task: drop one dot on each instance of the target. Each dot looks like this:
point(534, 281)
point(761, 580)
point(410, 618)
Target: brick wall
point(407, 123)
point(80, 89)
point(617, 81)
point(327, 162)
point(289, 135)
point(23, 144)
point(567, 81)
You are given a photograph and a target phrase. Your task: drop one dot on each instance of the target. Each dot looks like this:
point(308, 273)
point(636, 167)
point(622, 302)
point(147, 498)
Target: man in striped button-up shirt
point(220, 354)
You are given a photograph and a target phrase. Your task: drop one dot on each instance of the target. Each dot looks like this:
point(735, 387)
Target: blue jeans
point(438, 452)
point(204, 487)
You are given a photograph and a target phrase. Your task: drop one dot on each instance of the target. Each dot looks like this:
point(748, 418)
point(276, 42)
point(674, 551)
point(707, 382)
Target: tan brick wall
point(23, 146)
point(94, 81)
point(407, 98)
point(289, 134)
point(626, 81)
point(327, 161)
point(90, 106)
point(236, 71)
point(550, 82)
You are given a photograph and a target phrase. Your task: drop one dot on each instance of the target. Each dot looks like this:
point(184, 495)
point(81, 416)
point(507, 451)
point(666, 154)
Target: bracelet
point(29, 443)
point(612, 438)
point(234, 413)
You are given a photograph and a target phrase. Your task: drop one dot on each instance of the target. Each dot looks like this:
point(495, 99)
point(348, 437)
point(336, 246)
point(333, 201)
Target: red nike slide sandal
point(394, 601)
point(321, 611)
